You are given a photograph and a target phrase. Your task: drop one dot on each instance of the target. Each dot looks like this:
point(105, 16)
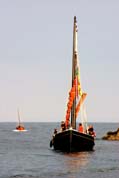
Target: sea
point(28, 154)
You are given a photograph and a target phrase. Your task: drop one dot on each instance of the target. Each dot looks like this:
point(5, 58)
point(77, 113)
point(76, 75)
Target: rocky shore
point(112, 135)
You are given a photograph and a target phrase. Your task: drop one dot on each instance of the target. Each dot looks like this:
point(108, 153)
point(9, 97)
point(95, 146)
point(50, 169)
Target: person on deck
point(63, 127)
point(55, 131)
point(80, 128)
point(91, 131)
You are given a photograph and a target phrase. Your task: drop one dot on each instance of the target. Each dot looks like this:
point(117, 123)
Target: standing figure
point(91, 131)
point(63, 127)
point(80, 128)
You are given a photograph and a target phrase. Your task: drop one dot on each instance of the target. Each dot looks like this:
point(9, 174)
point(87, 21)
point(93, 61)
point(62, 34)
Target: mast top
point(75, 19)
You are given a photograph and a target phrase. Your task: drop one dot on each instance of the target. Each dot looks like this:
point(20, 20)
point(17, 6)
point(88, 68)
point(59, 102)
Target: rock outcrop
point(112, 135)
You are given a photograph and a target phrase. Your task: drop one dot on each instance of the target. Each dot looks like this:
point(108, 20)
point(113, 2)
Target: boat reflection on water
point(76, 161)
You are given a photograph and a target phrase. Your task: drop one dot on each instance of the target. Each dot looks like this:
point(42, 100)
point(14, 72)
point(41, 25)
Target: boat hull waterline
point(19, 130)
point(71, 140)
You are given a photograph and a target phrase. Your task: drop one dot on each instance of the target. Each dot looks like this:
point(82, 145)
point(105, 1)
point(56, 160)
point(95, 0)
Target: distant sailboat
point(69, 139)
point(20, 127)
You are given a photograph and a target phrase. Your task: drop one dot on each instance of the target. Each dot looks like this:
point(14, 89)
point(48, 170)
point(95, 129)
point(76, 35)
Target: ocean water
point(28, 155)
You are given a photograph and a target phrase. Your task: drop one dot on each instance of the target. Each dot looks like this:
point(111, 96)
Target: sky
point(36, 54)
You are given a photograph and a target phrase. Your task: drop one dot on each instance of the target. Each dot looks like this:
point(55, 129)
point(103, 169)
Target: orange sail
point(72, 95)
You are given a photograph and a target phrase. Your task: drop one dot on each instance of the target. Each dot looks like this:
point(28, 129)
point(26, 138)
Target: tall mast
point(74, 63)
point(18, 116)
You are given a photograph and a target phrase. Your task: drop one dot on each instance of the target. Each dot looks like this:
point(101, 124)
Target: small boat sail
point(20, 127)
point(69, 139)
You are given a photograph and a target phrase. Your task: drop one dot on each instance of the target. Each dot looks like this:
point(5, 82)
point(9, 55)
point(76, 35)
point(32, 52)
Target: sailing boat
point(20, 127)
point(69, 139)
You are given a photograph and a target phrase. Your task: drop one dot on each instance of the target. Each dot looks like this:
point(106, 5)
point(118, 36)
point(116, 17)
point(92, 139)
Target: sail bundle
point(74, 93)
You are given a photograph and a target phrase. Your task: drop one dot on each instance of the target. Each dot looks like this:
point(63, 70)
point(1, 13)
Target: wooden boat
point(20, 127)
point(69, 139)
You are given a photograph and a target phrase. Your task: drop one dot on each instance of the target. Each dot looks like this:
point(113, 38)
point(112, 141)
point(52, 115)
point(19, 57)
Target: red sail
point(72, 95)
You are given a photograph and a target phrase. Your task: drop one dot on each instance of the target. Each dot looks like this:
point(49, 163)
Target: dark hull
point(72, 141)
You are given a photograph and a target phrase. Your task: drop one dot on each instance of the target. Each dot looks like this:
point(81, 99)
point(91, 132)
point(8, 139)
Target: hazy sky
point(36, 55)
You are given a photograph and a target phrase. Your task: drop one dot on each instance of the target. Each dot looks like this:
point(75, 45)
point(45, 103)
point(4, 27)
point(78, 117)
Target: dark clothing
point(91, 131)
point(63, 127)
